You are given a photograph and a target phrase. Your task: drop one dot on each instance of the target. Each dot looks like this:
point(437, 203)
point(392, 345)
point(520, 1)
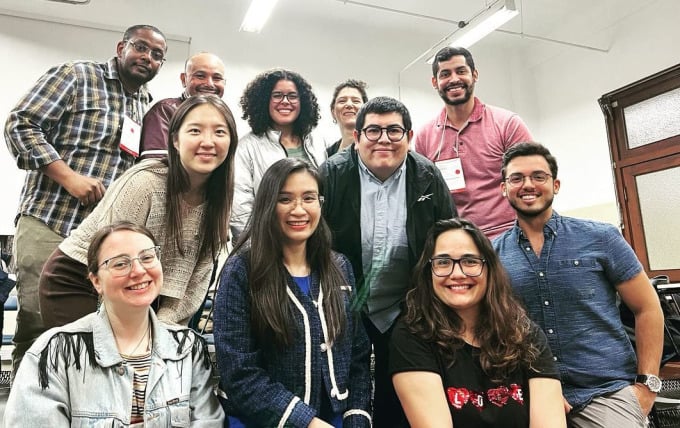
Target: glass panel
point(653, 119)
point(659, 195)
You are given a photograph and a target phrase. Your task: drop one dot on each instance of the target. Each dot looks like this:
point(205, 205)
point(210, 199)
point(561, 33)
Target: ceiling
point(579, 22)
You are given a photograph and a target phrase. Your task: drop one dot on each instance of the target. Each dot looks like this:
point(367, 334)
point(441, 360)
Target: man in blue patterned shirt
point(569, 272)
point(75, 131)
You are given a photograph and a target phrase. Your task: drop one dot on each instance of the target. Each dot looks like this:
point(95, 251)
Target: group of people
point(379, 243)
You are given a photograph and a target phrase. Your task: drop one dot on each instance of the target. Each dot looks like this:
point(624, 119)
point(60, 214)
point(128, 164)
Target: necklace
point(147, 332)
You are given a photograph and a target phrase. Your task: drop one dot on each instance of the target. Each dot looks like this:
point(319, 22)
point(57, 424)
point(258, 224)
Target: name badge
point(130, 136)
point(452, 171)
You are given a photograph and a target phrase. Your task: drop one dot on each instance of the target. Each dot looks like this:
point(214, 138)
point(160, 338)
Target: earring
point(335, 121)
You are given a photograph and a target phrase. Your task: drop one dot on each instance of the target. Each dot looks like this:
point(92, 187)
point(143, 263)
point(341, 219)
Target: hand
point(318, 423)
point(645, 397)
point(88, 190)
point(567, 406)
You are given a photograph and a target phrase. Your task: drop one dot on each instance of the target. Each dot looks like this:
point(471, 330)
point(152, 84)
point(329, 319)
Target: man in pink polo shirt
point(467, 139)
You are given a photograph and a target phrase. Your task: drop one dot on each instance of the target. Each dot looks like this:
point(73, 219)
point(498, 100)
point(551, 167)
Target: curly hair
point(503, 328)
point(256, 96)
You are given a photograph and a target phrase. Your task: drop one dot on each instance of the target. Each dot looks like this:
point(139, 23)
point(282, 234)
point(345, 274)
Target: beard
point(532, 212)
point(469, 89)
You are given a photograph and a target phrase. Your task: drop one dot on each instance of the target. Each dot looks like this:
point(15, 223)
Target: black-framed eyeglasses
point(122, 265)
point(156, 54)
point(537, 177)
point(292, 97)
point(395, 133)
point(308, 200)
point(469, 265)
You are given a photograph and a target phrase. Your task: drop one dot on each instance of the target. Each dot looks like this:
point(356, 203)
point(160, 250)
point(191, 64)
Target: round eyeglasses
point(395, 133)
point(122, 265)
point(308, 200)
point(538, 177)
point(470, 266)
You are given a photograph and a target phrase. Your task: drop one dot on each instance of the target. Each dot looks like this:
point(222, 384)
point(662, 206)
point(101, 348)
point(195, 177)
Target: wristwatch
point(650, 381)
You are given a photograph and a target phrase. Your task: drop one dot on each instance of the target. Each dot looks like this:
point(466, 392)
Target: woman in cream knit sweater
point(184, 200)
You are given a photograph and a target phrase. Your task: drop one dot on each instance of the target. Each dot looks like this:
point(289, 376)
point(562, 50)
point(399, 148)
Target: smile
point(140, 286)
point(297, 224)
point(459, 287)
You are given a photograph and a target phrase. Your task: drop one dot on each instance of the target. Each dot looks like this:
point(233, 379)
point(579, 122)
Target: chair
point(666, 411)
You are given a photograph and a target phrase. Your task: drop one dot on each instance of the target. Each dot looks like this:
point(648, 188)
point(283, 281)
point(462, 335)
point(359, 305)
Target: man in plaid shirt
point(75, 131)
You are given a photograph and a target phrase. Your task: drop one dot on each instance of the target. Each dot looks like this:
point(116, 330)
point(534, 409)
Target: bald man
point(203, 74)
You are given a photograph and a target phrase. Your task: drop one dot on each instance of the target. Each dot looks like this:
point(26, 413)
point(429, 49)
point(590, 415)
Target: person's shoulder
point(497, 111)
point(421, 165)
point(340, 260)
point(81, 325)
point(166, 103)
point(587, 226)
point(341, 160)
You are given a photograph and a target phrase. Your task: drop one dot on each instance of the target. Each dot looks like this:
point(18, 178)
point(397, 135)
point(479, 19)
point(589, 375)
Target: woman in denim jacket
point(290, 351)
point(120, 366)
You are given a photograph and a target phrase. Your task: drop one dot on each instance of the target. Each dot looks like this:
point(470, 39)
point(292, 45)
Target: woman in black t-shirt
point(465, 354)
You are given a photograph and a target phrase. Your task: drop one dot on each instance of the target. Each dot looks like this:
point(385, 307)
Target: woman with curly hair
point(466, 353)
point(282, 111)
point(348, 97)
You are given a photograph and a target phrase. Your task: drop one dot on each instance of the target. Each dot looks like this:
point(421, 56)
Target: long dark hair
point(219, 189)
point(271, 317)
point(503, 328)
point(256, 96)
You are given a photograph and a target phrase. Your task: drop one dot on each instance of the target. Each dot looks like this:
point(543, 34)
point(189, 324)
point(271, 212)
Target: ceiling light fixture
point(257, 15)
point(482, 24)
point(81, 2)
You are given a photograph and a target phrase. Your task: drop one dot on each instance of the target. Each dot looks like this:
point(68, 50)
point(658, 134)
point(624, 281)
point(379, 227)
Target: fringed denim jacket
point(73, 376)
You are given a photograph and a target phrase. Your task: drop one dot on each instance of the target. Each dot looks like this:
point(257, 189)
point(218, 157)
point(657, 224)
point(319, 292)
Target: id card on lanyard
point(130, 136)
point(451, 169)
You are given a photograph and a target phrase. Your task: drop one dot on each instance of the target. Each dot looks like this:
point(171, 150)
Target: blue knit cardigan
point(284, 388)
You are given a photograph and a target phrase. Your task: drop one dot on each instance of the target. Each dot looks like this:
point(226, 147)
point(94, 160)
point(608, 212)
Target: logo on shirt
point(499, 397)
point(424, 197)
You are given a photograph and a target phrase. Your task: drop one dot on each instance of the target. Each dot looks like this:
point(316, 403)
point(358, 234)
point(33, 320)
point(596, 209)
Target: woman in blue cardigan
point(290, 351)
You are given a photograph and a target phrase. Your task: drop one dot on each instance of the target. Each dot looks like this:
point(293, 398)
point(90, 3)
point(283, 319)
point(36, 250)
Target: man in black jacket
point(380, 201)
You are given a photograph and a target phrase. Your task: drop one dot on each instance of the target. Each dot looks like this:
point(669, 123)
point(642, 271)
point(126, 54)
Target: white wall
point(554, 88)
point(564, 90)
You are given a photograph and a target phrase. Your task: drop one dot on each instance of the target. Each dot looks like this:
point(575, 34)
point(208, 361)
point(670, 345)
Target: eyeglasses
point(395, 133)
point(306, 201)
point(122, 265)
point(156, 54)
point(292, 97)
point(538, 177)
point(470, 266)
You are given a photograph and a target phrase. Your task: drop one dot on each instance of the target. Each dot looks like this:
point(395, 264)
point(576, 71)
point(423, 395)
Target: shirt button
point(547, 303)
point(528, 248)
point(550, 330)
point(121, 370)
point(324, 347)
point(554, 358)
point(575, 262)
point(541, 274)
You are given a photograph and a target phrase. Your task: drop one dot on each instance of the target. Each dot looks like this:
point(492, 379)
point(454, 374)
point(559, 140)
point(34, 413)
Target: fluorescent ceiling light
point(257, 15)
point(72, 1)
point(483, 24)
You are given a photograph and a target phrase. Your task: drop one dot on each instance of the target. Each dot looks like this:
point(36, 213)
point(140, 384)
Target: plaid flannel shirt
point(74, 112)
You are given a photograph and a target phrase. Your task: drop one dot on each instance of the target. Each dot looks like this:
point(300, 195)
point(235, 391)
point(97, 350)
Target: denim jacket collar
point(107, 353)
